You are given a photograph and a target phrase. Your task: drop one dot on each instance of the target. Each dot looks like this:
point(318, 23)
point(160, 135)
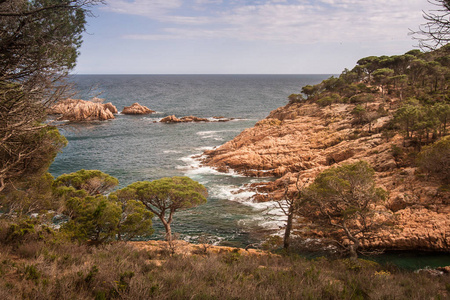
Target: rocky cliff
point(300, 140)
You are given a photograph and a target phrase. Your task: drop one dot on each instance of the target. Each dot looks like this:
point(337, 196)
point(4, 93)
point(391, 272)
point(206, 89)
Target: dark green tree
point(165, 196)
point(92, 218)
point(94, 182)
point(95, 217)
point(435, 159)
point(341, 202)
point(39, 43)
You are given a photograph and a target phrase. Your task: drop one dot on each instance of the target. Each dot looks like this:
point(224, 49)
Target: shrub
point(435, 159)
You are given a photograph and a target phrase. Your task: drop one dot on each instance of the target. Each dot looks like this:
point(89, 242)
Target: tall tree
point(39, 43)
point(165, 196)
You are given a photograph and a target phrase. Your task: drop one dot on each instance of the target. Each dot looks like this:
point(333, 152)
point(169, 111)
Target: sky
point(245, 36)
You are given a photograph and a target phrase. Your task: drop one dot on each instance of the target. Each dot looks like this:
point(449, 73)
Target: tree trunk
point(168, 232)
point(287, 231)
point(353, 251)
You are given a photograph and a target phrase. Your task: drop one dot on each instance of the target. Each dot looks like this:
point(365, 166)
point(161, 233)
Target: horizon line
point(162, 74)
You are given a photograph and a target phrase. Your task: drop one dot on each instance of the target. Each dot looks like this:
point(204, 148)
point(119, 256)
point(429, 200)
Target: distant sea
point(135, 148)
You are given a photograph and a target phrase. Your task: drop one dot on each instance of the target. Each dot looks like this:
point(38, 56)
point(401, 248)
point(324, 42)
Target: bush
point(435, 159)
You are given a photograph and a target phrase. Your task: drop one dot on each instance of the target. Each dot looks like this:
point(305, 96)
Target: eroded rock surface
point(77, 110)
point(301, 140)
point(137, 109)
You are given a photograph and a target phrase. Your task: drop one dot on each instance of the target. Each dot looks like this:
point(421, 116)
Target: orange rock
point(137, 109)
point(81, 110)
point(301, 140)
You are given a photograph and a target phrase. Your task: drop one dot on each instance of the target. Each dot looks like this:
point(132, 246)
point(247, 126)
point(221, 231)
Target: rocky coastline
point(300, 140)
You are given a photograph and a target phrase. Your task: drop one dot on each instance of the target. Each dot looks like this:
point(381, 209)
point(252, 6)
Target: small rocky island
point(187, 119)
point(77, 110)
point(137, 109)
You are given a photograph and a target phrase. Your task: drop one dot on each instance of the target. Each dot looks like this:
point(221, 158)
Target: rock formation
point(301, 140)
point(80, 110)
point(173, 119)
point(137, 109)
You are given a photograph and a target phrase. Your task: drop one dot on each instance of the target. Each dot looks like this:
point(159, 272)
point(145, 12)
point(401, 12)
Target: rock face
point(137, 109)
point(301, 140)
point(80, 110)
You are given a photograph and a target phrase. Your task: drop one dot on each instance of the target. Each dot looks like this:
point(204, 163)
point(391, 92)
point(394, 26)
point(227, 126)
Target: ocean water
point(135, 148)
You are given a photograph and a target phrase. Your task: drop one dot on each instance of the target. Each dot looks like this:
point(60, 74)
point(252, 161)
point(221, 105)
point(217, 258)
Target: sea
point(137, 148)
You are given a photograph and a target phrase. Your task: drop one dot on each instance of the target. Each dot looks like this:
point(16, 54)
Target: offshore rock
point(111, 107)
point(77, 110)
point(173, 119)
point(136, 109)
point(298, 141)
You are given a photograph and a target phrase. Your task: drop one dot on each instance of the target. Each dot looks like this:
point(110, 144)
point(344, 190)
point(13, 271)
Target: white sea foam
point(213, 134)
point(172, 151)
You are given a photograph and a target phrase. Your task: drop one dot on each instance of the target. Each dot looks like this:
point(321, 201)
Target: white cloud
point(153, 8)
point(299, 22)
point(201, 2)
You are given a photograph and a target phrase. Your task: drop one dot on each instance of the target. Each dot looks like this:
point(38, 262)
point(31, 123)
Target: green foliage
point(418, 120)
point(295, 98)
point(95, 217)
point(135, 221)
point(94, 182)
point(171, 193)
point(341, 199)
point(92, 218)
point(38, 47)
point(33, 195)
point(414, 74)
point(435, 159)
point(165, 196)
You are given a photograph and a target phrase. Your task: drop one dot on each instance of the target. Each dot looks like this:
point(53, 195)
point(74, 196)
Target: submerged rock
point(137, 109)
point(78, 110)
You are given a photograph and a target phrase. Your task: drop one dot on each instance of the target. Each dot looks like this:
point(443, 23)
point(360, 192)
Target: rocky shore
point(300, 140)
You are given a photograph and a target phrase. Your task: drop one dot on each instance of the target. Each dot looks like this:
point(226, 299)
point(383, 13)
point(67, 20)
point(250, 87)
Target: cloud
point(287, 21)
point(153, 8)
point(208, 2)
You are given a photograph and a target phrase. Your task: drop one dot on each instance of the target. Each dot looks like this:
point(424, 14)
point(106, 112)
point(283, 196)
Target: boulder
point(111, 107)
point(193, 119)
point(78, 110)
point(136, 109)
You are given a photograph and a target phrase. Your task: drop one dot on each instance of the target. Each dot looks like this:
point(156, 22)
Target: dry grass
point(50, 270)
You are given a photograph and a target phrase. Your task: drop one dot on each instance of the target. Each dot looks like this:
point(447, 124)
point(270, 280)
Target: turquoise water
point(134, 148)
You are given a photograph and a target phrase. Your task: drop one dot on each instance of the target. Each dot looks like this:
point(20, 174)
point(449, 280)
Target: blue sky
point(244, 37)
